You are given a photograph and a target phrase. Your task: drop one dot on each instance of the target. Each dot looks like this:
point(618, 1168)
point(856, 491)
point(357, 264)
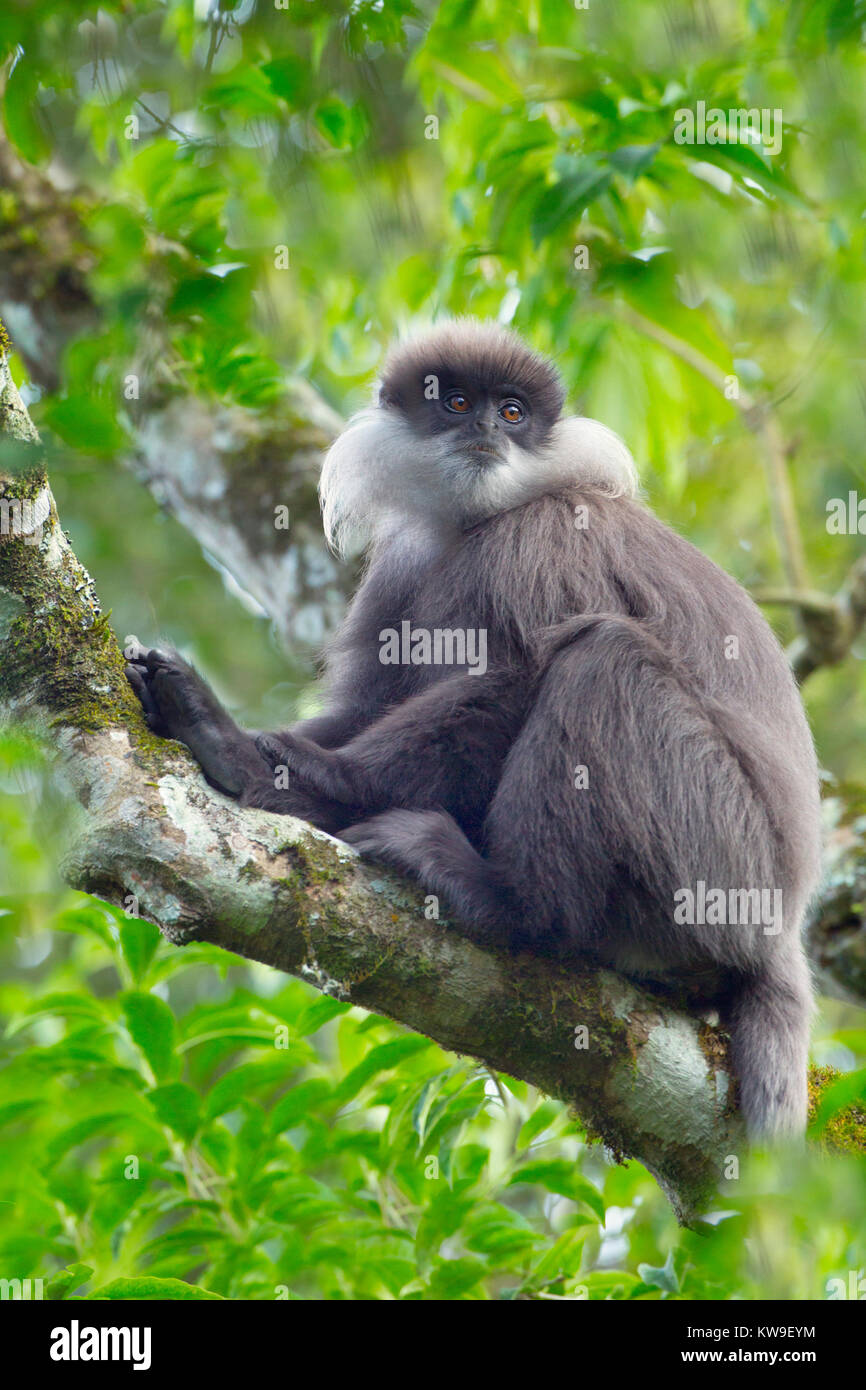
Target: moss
point(5, 343)
point(713, 1043)
point(845, 1132)
point(290, 907)
point(28, 484)
point(60, 642)
point(64, 644)
point(314, 861)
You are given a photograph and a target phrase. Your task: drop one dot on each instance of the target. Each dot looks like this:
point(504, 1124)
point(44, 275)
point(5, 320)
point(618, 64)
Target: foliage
point(412, 159)
point(178, 1115)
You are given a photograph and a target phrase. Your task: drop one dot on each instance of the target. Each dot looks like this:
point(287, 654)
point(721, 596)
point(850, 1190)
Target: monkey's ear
point(388, 396)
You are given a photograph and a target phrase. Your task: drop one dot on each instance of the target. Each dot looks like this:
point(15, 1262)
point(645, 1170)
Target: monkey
point(631, 752)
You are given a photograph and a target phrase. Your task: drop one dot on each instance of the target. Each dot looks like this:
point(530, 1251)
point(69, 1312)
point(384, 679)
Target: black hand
point(178, 704)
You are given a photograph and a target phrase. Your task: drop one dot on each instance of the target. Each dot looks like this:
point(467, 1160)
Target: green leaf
point(564, 201)
point(87, 919)
point(17, 1109)
point(250, 1078)
point(561, 1260)
point(138, 941)
point(21, 113)
point(500, 1233)
point(378, 1059)
point(177, 1105)
point(247, 92)
point(85, 423)
point(109, 1124)
point(448, 1116)
point(151, 1288)
point(344, 127)
point(151, 1027)
point(661, 1277)
point(67, 1281)
point(319, 1012)
point(303, 1100)
point(220, 299)
point(288, 77)
point(542, 1117)
point(254, 1037)
point(634, 160)
point(478, 73)
point(64, 1005)
point(610, 1284)
point(454, 1278)
point(560, 1176)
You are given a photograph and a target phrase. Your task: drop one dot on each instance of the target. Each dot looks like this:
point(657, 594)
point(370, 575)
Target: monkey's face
point(478, 384)
point(478, 406)
point(478, 421)
point(468, 424)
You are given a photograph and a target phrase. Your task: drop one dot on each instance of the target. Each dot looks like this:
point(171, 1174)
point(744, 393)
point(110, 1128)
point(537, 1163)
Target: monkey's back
point(671, 687)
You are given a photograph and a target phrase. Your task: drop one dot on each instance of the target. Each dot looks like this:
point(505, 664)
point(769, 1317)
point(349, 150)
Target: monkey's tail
point(769, 1026)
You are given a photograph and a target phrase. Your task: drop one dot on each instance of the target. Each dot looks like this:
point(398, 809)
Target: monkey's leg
point(628, 792)
point(442, 748)
point(431, 847)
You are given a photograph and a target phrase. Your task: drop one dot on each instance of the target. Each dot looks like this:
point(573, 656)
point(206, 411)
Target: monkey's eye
point(512, 412)
point(456, 401)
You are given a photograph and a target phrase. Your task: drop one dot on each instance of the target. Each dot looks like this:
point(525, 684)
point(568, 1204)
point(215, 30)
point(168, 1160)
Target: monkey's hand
point(178, 704)
point(326, 772)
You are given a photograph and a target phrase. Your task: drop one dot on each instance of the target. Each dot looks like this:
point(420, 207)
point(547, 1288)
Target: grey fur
point(607, 649)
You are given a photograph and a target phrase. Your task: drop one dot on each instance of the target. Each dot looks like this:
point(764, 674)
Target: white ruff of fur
point(379, 479)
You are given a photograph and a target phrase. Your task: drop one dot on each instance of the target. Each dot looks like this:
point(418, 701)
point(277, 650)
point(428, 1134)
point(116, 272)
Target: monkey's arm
point(178, 704)
point(441, 748)
point(360, 688)
point(330, 729)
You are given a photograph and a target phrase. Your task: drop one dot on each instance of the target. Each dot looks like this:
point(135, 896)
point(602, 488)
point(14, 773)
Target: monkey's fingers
point(157, 660)
point(133, 650)
point(138, 680)
point(270, 748)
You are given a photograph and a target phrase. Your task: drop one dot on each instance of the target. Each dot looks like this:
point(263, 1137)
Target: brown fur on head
point(469, 353)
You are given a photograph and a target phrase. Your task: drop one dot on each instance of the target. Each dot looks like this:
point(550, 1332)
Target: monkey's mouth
point(483, 452)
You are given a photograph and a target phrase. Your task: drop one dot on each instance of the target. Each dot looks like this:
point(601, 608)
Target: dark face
point(483, 417)
point(482, 391)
